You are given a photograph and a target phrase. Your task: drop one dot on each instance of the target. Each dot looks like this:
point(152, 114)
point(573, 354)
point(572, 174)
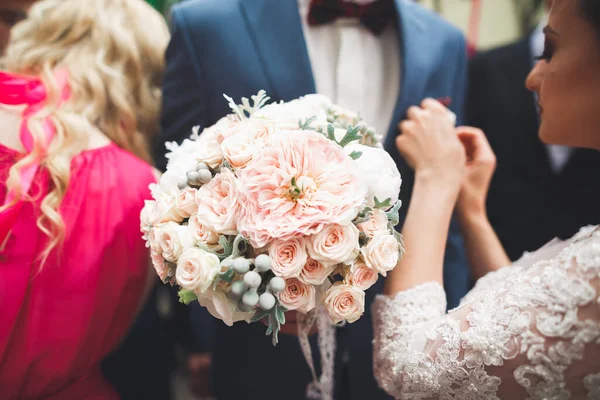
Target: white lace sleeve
point(535, 335)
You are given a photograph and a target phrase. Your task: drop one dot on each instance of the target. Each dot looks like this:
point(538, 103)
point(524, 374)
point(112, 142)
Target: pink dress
point(57, 323)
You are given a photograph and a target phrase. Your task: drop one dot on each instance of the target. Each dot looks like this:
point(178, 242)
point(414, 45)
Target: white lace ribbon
point(320, 388)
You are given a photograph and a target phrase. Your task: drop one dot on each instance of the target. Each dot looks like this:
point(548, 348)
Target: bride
point(531, 330)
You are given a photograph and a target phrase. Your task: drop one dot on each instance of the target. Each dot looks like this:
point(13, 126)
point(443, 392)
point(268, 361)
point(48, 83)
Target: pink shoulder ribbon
point(29, 91)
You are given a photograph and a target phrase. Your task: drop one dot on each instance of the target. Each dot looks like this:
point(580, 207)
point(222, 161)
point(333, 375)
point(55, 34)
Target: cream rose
point(361, 275)
point(344, 303)
point(168, 210)
point(197, 270)
point(382, 253)
point(288, 257)
point(335, 244)
point(186, 202)
point(239, 149)
point(377, 223)
point(200, 234)
point(315, 273)
point(220, 307)
point(298, 296)
point(209, 149)
point(170, 240)
point(150, 214)
point(218, 203)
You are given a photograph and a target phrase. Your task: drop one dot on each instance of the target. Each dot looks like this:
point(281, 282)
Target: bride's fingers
point(414, 113)
point(476, 144)
point(433, 105)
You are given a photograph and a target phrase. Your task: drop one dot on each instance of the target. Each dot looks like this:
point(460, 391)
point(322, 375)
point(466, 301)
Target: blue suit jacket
point(238, 47)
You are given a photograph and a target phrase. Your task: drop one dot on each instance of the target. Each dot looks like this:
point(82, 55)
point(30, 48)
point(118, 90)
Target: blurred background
point(486, 23)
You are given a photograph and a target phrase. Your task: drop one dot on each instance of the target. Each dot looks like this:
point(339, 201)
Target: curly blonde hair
point(113, 51)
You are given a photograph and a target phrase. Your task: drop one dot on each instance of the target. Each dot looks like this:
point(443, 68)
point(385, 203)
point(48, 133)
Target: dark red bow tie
point(374, 16)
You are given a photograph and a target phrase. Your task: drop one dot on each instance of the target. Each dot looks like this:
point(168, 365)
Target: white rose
point(209, 150)
point(200, 234)
point(335, 244)
point(197, 270)
point(361, 275)
point(377, 223)
point(170, 240)
point(168, 210)
point(315, 273)
point(344, 303)
point(382, 253)
point(287, 115)
point(220, 307)
point(380, 173)
point(288, 257)
point(185, 202)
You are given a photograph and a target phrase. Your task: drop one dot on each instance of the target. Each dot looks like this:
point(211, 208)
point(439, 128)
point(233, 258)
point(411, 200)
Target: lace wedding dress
point(528, 331)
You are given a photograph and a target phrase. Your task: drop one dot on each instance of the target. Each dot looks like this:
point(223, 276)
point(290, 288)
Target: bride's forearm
point(425, 233)
point(484, 250)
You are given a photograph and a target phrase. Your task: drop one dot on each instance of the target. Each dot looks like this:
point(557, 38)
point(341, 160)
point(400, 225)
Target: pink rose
point(239, 149)
point(298, 296)
point(382, 253)
point(288, 257)
point(186, 202)
point(197, 270)
point(170, 240)
point(297, 184)
point(344, 303)
point(200, 234)
point(377, 223)
point(159, 265)
point(335, 244)
point(219, 203)
point(361, 275)
point(315, 273)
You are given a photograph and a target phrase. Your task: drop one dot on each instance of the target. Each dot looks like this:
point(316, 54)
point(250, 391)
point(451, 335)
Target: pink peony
point(300, 182)
point(219, 203)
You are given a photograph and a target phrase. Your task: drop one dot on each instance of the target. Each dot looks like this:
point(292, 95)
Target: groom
point(375, 57)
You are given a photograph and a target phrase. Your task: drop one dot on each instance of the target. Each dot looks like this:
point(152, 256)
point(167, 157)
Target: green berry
point(277, 285)
point(201, 166)
point(250, 298)
point(204, 176)
point(238, 289)
point(266, 301)
point(262, 263)
point(192, 177)
point(252, 279)
point(182, 184)
point(241, 265)
point(243, 308)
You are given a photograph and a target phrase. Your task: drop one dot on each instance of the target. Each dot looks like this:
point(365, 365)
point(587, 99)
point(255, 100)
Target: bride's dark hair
point(591, 11)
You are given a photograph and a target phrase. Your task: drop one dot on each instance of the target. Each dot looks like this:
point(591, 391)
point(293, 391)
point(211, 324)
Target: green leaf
point(187, 296)
point(393, 215)
point(240, 246)
point(364, 215)
point(280, 314)
point(227, 276)
point(387, 203)
point(355, 155)
point(352, 134)
point(331, 132)
point(227, 246)
point(260, 315)
point(306, 124)
point(269, 330)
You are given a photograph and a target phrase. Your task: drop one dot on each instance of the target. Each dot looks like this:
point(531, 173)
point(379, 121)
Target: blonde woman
point(79, 95)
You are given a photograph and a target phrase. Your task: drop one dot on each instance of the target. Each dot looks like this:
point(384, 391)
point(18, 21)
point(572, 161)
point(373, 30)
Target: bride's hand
point(481, 164)
point(430, 146)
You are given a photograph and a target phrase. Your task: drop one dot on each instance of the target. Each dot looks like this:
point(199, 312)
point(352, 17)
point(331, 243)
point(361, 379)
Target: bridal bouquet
point(278, 207)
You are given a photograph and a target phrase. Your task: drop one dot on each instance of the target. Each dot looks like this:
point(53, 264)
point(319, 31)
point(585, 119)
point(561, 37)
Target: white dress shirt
point(355, 68)
point(559, 155)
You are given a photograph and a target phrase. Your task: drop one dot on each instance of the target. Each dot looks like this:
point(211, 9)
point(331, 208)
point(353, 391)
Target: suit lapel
point(276, 31)
point(412, 40)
